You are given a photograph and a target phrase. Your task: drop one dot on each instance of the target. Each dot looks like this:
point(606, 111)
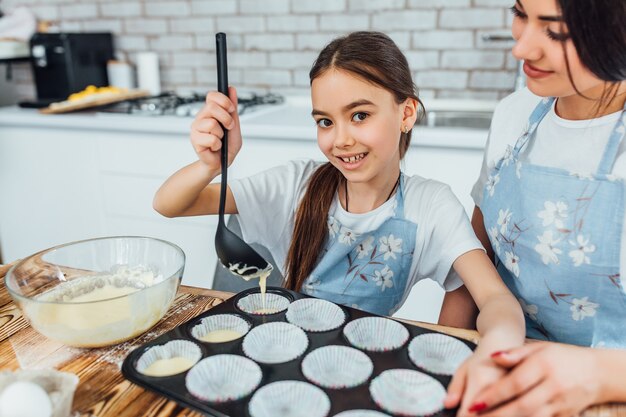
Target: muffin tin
point(237, 354)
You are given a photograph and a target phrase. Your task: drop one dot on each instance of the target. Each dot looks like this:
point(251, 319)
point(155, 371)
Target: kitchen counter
point(289, 121)
point(102, 390)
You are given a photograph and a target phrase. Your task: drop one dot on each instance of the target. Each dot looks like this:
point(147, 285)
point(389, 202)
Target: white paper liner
point(337, 367)
point(361, 413)
point(314, 315)
point(169, 350)
point(253, 303)
point(376, 334)
point(220, 322)
point(59, 386)
point(407, 392)
point(289, 399)
point(222, 378)
point(438, 353)
point(276, 342)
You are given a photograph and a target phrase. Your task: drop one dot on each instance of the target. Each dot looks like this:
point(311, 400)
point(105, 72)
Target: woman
point(550, 210)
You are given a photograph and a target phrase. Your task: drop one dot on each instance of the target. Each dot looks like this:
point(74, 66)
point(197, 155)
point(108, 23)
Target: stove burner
point(169, 103)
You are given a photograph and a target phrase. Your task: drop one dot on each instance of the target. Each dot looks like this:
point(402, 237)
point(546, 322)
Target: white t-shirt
point(267, 203)
point(574, 145)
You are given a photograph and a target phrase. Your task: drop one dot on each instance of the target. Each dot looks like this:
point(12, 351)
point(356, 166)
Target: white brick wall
point(272, 43)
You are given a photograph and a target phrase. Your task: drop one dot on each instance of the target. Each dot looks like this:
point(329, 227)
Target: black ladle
point(235, 254)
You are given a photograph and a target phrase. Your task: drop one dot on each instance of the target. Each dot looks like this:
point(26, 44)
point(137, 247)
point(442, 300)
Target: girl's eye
point(558, 37)
point(518, 13)
point(359, 116)
point(324, 123)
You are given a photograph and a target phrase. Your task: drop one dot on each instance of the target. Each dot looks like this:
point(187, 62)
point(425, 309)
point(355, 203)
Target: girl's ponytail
point(310, 228)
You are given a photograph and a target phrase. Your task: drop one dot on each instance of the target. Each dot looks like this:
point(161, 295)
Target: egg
point(24, 399)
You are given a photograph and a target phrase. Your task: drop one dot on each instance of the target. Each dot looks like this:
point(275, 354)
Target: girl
point(353, 230)
point(550, 208)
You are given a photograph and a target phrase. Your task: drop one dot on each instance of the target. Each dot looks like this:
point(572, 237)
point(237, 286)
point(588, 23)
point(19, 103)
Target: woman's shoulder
point(513, 110)
point(509, 121)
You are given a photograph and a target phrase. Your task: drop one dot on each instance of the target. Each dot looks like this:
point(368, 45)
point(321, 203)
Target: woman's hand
point(475, 374)
point(546, 379)
point(207, 134)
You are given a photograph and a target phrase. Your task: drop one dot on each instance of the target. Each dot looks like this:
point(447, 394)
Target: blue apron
point(368, 271)
point(557, 239)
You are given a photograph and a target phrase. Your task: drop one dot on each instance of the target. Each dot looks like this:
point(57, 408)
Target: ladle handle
point(222, 87)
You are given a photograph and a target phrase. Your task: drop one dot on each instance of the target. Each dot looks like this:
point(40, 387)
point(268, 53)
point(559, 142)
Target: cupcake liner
point(438, 353)
point(276, 342)
point(314, 315)
point(407, 392)
point(218, 323)
point(177, 356)
point(253, 304)
point(289, 399)
point(376, 334)
point(222, 378)
point(361, 413)
point(337, 367)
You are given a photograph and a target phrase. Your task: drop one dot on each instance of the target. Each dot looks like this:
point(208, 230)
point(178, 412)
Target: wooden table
point(102, 390)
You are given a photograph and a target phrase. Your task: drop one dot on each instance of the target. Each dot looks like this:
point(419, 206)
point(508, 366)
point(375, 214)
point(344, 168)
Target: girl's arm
point(459, 309)
point(500, 321)
point(188, 192)
point(500, 324)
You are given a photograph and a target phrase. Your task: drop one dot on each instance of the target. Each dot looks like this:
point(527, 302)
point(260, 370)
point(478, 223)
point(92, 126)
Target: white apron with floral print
point(367, 271)
point(557, 239)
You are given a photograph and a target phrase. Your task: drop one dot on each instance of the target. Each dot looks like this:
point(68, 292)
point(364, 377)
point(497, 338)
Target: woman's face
point(541, 37)
point(358, 125)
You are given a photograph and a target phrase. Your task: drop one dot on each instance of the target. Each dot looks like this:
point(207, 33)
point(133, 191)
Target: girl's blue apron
point(368, 271)
point(557, 240)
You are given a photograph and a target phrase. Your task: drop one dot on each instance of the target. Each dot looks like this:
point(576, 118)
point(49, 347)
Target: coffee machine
point(65, 63)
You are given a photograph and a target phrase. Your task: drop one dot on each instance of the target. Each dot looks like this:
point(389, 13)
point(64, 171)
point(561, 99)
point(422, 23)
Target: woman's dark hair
point(375, 58)
point(598, 32)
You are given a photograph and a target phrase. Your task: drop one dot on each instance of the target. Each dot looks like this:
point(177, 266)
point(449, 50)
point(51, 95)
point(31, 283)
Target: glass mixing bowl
point(97, 292)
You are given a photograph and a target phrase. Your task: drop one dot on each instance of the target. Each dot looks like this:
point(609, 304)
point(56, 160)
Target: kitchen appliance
point(65, 63)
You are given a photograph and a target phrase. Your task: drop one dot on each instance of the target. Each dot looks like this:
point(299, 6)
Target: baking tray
point(173, 387)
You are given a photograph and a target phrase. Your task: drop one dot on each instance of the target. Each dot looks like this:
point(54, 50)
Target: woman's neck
point(363, 197)
point(577, 107)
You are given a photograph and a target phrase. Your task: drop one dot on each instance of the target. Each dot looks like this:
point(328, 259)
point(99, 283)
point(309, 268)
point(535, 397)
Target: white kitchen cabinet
point(60, 184)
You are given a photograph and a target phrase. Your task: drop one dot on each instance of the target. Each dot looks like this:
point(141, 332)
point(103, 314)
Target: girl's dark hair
point(598, 32)
point(375, 58)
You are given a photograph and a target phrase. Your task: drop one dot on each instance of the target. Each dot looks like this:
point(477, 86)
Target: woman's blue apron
point(368, 271)
point(557, 239)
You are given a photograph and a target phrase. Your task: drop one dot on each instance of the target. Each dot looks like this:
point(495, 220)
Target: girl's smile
point(352, 161)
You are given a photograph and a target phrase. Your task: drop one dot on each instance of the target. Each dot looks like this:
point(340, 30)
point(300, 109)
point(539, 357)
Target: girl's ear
point(410, 112)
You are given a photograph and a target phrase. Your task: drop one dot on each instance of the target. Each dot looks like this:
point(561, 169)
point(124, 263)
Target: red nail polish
point(477, 407)
point(497, 354)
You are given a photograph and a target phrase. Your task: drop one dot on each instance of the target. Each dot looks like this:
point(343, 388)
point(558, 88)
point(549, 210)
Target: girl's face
point(359, 125)
point(541, 36)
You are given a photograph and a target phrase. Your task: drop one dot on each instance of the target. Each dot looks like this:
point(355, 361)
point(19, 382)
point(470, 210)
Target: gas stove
point(172, 104)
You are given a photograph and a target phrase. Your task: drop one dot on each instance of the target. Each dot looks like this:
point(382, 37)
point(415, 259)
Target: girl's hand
point(207, 134)
point(546, 379)
point(475, 374)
